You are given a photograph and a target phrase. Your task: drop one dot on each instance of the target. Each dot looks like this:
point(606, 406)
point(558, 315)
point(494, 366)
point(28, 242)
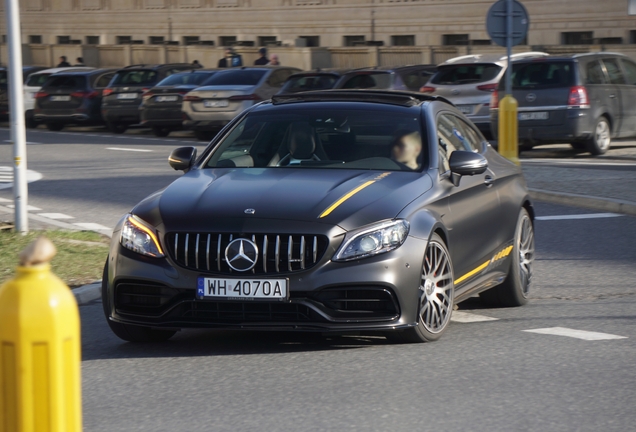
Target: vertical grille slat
point(279, 253)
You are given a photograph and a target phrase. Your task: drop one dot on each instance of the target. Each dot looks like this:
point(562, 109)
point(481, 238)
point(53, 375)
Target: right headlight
point(139, 237)
point(372, 240)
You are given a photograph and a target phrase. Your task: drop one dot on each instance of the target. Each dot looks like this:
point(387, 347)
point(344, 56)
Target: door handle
point(489, 181)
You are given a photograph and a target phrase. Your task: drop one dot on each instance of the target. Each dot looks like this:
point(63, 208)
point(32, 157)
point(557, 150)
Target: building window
point(123, 40)
point(227, 41)
point(267, 40)
point(35, 39)
point(156, 40)
point(63, 40)
point(632, 36)
point(403, 40)
point(482, 42)
point(92, 40)
point(354, 40)
point(311, 41)
point(610, 41)
point(455, 39)
point(577, 38)
point(191, 40)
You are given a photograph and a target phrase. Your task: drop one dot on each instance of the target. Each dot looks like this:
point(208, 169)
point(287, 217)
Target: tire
point(525, 146)
point(203, 135)
point(130, 332)
point(601, 140)
point(437, 295)
point(581, 146)
point(514, 290)
point(55, 126)
point(161, 131)
point(30, 123)
point(118, 128)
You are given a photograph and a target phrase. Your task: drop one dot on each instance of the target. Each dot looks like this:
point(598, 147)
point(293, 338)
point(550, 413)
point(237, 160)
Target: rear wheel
point(161, 131)
point(55, 126)
point(514, 290)
point(30, 122)
point(601, 138)
point(116, 127)
point(437, 293)
point(130, 332)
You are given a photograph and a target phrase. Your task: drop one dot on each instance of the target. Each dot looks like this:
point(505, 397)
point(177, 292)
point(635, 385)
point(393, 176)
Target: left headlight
point(139, 237)
point(373, 240)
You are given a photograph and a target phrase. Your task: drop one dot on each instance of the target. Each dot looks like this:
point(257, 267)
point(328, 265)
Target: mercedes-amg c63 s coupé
point(329, 211)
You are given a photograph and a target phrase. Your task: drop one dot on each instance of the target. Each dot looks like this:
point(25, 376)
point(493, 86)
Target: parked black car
point(122, 97)
point(311, 80)
point(4, 86)
point(330, 211)
point(410, 78)
point(72, 98)
point(583, 99)
point(161, 105)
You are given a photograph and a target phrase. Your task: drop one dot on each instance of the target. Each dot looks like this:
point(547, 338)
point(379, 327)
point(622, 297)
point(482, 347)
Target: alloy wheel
point(525, 244)
point(437, 289)
point(603, 135)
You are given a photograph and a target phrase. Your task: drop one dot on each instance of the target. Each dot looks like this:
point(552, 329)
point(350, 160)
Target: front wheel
point(601, 139)
point(437, 294)
point(514, 290)
point(55, 126)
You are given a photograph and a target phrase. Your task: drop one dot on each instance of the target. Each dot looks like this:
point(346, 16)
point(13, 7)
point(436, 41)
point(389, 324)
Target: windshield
point(542, 75)
point(309, 82)
point(189, 78)
point(466, 74)
point(368, 139)
point(66, 82)
point(237, 77)
point(380, 80)
point(37, 80)
point(138, 77)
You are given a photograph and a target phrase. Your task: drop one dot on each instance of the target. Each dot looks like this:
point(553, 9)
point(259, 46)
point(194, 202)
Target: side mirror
point(466, 163)
point(182, 158)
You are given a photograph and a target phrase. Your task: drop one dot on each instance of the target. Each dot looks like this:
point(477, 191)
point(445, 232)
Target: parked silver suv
point(468, 81)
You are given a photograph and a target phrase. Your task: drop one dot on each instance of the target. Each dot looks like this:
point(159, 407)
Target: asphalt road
point(490, 374)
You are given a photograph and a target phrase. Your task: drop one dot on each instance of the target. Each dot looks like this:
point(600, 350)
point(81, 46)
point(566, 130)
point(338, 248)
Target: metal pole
point(509, 45)
point(16, 104)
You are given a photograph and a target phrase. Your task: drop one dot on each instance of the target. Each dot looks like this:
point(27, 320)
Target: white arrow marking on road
point(579, 216)
point(127, 149)
point(6, 177)
point(55, 216)
point(465, 317)
point(29, 207)
point(578, 334)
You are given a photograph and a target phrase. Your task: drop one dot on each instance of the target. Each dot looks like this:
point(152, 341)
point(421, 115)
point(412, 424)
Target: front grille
point(282, 253)
point(145, 298)
point(230, 312)
point(359, 301)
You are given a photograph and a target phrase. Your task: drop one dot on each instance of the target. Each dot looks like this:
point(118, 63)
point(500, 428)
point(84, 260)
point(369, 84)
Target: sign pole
point(509, 13)
point(16, 104)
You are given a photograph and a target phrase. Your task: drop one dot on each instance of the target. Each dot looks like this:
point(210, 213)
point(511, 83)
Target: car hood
point(346, 198)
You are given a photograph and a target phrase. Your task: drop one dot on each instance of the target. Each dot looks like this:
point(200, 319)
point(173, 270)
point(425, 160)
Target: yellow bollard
point(40, 388)
point(508, 129)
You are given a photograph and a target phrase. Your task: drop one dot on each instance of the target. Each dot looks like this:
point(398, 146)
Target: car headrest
point(302, 143)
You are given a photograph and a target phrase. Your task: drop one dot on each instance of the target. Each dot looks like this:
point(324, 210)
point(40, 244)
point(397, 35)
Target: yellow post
point(40, 388)
point(508, 129)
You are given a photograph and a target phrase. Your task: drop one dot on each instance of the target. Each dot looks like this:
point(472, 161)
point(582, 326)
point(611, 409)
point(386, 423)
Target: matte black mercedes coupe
point(325, 211)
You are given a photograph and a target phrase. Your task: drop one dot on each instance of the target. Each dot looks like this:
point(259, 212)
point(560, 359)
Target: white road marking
point(465, 317)
point(6, 176)
point(578, 334)
point(579, 216)
point(28, 142)
point(55, 216)
point(92, 226)
point(127, 149)
point(29, 207)
point(595, 162)
point(4, 200)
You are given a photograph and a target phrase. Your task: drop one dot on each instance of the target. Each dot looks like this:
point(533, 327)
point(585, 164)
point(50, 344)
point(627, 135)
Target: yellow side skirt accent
point(345, 197)
point(501, 254)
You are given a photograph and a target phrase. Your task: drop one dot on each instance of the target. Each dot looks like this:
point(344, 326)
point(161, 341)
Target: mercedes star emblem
point(531, 97)
point(241, 254)
point(249, 211)
point(454, 92)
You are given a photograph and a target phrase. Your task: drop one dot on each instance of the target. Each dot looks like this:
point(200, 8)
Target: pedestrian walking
point(262, 60)
point(79, 62)
point(273, 60)
point(63, 62)
point(196, 64)
point(231, 59)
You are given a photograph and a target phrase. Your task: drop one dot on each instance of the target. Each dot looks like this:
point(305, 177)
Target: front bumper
point(377, 293)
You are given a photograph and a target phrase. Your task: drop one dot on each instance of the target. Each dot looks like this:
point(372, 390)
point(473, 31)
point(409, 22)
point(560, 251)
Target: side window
point(630, 71)
point(278, 77)
point(594, 72)
point(614, 71)
point(103, 80)
point(449, 139)
point(471, 138)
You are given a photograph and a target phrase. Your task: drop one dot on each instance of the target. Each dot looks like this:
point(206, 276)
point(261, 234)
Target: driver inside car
point(406, 149)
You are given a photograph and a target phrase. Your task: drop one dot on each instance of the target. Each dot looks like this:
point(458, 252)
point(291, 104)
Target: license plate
point(466, 109)
point(242, 289)
point(166, 98)
point(534, 115)
point(215, 103)
point(127, 96)
point(60, 98)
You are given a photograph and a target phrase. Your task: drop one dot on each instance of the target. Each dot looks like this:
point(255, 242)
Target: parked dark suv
point(584, 100)
point(387, 78)
point(120, 105)
point(72, 98)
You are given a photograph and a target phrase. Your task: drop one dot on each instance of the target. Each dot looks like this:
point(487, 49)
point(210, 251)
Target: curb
point(88, 293)
point(595, 203)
